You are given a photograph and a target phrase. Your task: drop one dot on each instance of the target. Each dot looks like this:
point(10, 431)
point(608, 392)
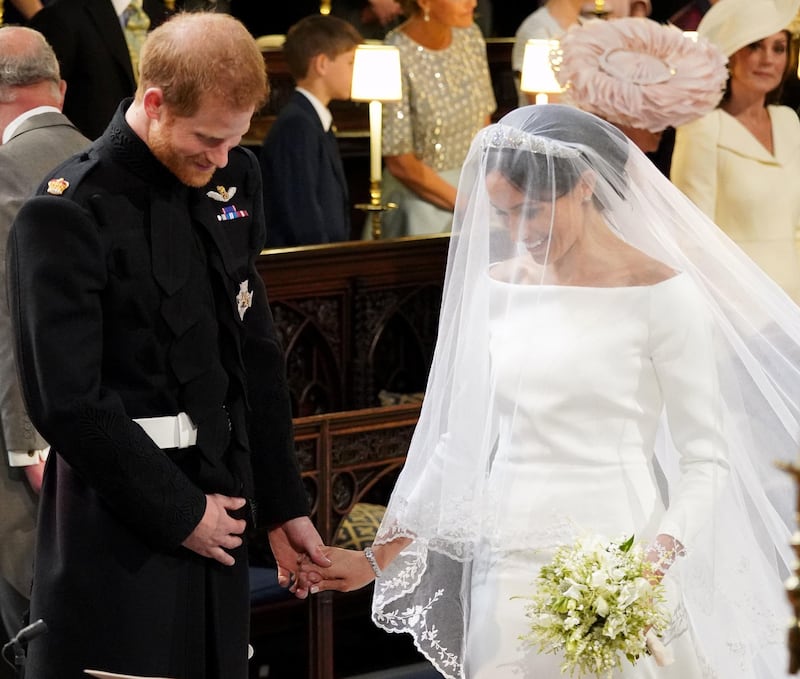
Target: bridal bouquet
point(597, 602)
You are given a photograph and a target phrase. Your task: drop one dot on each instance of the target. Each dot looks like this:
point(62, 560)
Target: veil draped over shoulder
point(712, 442)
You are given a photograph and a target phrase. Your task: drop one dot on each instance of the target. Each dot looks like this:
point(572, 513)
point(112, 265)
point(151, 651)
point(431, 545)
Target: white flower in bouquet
point(597, 602)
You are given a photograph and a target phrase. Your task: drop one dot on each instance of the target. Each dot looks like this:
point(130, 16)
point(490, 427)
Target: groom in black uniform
point(149, 361)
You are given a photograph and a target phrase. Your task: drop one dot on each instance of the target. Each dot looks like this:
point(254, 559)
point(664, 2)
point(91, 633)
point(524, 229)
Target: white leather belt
point(170, 431)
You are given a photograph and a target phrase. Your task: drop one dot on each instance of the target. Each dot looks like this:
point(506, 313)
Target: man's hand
point(217, 530)
point(291, 542)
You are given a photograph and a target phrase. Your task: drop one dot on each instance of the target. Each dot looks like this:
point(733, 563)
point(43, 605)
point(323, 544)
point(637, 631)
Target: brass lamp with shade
point(376, 78)
point(537, 71)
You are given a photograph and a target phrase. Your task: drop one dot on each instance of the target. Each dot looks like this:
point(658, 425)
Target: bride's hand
point(349, 570)
point(662, 553)
point(661, 654)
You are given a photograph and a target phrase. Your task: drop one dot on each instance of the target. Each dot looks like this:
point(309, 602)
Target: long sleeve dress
point(585, 374)
point(752, 194)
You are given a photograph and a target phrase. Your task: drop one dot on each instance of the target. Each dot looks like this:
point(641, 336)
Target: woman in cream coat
point(741, 163)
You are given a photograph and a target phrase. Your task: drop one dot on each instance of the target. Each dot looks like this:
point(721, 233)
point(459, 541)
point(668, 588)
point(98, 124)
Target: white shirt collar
point(325, 116)
point(11, 128)
point(120, 6)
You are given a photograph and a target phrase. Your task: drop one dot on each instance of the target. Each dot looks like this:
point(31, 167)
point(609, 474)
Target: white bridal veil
point(480, 469)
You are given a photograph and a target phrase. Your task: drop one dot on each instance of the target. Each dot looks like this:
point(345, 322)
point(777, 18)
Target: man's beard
point(180, 166)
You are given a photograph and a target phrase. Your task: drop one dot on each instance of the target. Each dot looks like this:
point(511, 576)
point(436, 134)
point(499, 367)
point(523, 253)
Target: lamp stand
point(375, 207)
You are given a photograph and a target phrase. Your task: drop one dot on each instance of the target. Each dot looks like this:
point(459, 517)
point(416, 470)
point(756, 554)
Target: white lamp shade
point(376, 74)
point(537, 73)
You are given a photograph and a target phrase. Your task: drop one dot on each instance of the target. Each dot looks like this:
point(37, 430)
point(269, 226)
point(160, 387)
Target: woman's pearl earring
point(426, 15)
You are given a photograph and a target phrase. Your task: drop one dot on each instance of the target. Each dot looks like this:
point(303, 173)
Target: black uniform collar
point(131, 150)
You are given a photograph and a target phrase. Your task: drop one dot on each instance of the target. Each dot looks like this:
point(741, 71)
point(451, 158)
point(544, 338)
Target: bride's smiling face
point(547, 229)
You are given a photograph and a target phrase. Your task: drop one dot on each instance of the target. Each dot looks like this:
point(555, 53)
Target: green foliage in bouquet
point(594, 603)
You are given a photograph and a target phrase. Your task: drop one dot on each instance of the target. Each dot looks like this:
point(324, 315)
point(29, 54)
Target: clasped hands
point(349, 569)
point(305, 564)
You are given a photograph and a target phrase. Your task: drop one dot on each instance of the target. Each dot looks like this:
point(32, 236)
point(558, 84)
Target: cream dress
point(752, 195)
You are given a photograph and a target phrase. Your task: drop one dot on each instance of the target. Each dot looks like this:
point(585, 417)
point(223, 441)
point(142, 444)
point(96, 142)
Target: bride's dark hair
point(545, 173)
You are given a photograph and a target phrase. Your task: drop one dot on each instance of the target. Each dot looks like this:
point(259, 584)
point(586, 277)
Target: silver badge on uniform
point(244, 298)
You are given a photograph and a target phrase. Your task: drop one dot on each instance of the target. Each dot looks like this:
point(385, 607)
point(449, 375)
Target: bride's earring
point(426, 14)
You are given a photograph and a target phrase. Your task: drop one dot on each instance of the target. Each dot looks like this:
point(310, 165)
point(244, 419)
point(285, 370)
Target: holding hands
point(295, 542)
point(349, 570)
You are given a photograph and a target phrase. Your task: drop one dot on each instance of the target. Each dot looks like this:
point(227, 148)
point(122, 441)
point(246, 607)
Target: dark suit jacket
point(129, 289)
point(88, 40)
point(305, 190)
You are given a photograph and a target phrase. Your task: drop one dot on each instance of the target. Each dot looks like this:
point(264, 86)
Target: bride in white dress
point(608, 364)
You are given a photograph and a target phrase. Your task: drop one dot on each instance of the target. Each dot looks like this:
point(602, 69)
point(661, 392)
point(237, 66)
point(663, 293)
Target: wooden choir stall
point(358, 323)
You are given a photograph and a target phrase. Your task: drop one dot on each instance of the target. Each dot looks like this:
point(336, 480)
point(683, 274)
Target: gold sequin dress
point(447, 95)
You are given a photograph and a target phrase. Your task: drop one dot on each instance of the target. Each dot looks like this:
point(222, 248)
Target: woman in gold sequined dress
point(447, 98)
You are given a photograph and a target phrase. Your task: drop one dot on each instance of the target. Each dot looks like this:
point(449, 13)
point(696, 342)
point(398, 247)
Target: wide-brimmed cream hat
point(732, 24)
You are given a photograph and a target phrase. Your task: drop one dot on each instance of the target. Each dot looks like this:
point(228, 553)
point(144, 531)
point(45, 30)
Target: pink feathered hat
point(639, 73)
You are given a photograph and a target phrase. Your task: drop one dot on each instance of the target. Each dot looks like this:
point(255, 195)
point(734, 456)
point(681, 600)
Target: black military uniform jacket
point(135, 296)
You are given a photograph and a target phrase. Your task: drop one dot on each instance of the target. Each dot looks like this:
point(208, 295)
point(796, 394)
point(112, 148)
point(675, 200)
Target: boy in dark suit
point(305, 190)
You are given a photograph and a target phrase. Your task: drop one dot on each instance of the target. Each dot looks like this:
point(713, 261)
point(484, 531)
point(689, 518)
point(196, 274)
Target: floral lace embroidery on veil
point(414, 619)
point(418, 619)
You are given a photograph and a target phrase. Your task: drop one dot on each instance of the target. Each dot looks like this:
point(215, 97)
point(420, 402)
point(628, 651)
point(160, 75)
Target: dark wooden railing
point(343, 456)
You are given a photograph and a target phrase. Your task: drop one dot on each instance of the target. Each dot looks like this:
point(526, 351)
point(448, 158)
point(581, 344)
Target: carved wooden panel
point(394, 335)
point(312, 333)
point(355, 318)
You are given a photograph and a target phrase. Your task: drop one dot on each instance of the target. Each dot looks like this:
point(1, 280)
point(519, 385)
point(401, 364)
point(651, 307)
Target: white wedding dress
point(554, 412)
point(583, 376)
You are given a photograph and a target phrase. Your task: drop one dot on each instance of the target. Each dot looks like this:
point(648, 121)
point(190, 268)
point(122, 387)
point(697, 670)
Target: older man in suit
point(35, 135)
point(90, 41)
